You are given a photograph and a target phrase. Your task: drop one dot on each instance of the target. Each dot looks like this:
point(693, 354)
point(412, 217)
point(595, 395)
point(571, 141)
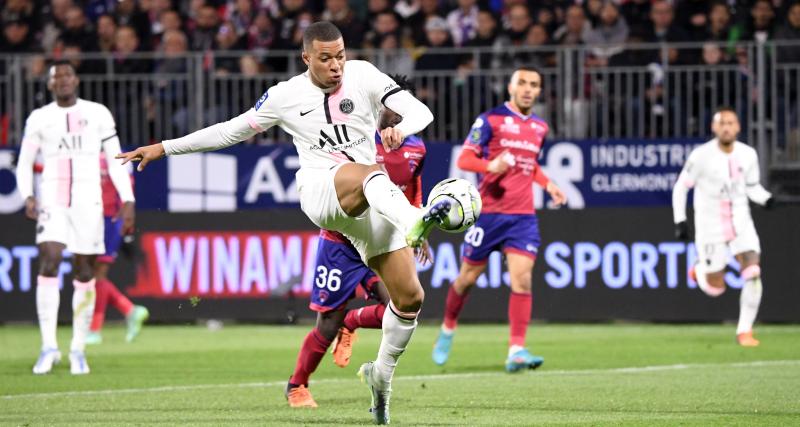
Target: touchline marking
point(627, 370)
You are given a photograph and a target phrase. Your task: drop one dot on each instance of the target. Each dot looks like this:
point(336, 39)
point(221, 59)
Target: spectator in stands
point(519, 20)
point(205, 31)
point(21, 10)
point(546, 17)
point(417, 22)
point(96, 8)
point(485, 36)
point(78, 31)
point(384, 24)
point(127, 13)
point(170, 109)
point(156, 9)
point(242, 14)
point(663, 30)
point(261, 36)
point(227, 40)
point(610, 34)
point(538, 37)
point(692, 17)
point(592, 10)
point(762, 23)
point(126, 45)
point(168, 20)
point(719, 24)
point(352, 28)
point(575, 28)
point(105, 30)
point(790, 31)
point(17, 37)
point(438, 36)
point(54, 16)
point(463, 22)
point(375, 7)
point(407, 8)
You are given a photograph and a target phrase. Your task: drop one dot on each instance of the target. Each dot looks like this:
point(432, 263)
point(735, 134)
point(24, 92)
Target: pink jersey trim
point(46, 281)
point(733, 164)
point(751, 272)
point(473, 262)
point(74, 122)
point(688, 183)
point(64, 179)
point(83, 285)
point(337, 116)
point(333, 236)
point(253, 123)
point(726, 216)
point(30, 146)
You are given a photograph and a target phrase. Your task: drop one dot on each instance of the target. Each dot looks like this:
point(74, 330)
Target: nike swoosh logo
point(303, 114)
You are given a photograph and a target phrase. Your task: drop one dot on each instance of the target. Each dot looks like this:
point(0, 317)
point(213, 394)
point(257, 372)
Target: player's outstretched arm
point(143, 155)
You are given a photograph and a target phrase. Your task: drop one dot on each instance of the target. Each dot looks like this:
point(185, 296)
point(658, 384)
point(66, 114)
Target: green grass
point(235, 376)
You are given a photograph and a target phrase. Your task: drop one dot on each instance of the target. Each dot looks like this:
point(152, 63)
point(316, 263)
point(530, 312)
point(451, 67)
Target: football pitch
point(621, 374)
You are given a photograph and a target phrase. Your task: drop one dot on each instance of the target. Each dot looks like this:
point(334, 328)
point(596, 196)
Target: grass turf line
point(580, 383)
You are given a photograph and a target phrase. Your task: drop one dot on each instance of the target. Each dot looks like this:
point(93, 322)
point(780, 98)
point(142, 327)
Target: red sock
point(100, 302)
point(118, 300)
point(365, 317)
point(452, 307)
point(519, 315)
point(312, 352)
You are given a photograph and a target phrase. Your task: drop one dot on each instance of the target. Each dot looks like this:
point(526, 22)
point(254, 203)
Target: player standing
point(70, 132)
point(135, 315)
point(503, 146)
point(340, 272)
point(330, 111)
point(724, 174)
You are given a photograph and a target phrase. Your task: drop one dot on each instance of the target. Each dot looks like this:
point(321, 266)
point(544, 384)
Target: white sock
point(397, 333)
point(749, 299)
point(48, 298)
point(513, 349)
point(389, 201)
point(82, 311)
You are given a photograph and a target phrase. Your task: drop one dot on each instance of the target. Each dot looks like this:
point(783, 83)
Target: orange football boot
point(343, 347)
point(746, 339)
point(300, 397)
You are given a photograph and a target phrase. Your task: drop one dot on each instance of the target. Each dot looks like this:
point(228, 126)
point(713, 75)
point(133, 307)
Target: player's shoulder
point(746, 149)
point(41, 114)
point(498, 111)
point(360, 66)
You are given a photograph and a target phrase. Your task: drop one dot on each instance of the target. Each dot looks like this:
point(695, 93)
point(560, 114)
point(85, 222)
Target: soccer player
point(330, 110)
point(71, 133)
point(340, 271)
point(135, 315)
point(503, 146)
point(724, 174)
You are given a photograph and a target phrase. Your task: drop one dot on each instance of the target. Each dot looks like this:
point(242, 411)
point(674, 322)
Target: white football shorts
point(80, 228)
point(714, 256)
point(370, 233)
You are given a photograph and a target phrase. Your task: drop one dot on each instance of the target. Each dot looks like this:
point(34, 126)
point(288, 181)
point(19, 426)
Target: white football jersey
point(327, 127)
point(70, 141)
point(723, 185)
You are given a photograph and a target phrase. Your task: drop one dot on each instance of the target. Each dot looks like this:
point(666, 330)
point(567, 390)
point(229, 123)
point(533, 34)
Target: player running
point(724, 174)
point(107, 292)
point(503, 146)
point(330, 111)
point(341, 275)
point(70, 132)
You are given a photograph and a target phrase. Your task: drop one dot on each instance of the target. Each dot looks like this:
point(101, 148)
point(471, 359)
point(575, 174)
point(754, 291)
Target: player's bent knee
point(716, 281)
point(411, 302)
point(49, 267)
point(751, 272)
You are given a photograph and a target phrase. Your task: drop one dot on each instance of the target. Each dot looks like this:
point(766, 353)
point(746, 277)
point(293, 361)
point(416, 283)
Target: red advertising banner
point(242, 264)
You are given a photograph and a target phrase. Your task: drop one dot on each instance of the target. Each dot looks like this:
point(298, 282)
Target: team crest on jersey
point(261, 100)
point(347, 106)
point(509, 125)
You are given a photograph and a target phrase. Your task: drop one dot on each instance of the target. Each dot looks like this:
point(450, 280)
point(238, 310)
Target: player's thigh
point(520, 268)
point(746, 247)
point(349, 183)
point(485, 236)
point(86, 229)
point(521, 236)
point(318, 198)
point(398, 272)
point(338, 272)
point(712, 257)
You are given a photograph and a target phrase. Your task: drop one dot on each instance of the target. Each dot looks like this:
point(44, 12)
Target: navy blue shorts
point(517, 233)
point(338, 274)
point(113, 239)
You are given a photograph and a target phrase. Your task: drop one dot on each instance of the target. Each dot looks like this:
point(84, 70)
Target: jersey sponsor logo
point(475, 135)
point(509, 126)
point(70, 143)
point(522, 145)
point(262, 100)
point(347, 106)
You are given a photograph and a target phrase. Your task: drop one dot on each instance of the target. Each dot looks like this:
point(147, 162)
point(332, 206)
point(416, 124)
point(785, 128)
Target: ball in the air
point(465, 207)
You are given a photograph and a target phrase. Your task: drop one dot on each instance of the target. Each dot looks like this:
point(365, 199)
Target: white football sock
point(749, 299)
point(397, 333)
point(48, 298)
point(389, 201)
point(82, 311)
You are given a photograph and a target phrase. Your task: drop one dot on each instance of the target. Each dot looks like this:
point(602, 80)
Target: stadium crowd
point(119, 28)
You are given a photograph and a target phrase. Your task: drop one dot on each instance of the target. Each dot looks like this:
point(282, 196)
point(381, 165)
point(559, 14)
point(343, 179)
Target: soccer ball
point(465, 203)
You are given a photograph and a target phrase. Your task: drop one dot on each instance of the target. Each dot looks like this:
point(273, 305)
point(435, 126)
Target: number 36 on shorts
point(328, 278)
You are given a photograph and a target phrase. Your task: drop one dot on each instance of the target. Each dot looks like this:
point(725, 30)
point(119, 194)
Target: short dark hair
point(726, 109)
point(404, 83)
point(323, 31)
point(66, 62)
point(532, 69)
